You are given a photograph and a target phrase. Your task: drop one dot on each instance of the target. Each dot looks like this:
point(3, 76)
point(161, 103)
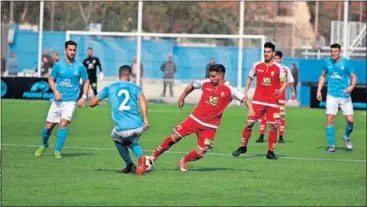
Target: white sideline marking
point(210, 153)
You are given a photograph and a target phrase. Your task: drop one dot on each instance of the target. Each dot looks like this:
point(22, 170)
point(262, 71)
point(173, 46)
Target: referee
point(91, 63)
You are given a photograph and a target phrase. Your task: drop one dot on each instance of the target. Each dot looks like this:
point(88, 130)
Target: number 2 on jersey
point(123, 106)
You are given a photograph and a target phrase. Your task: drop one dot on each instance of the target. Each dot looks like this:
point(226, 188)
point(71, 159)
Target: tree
point(86, 9)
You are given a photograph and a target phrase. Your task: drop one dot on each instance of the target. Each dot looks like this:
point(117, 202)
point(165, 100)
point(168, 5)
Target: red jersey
point(214, 100)
point(269, 78)
point(290, 79)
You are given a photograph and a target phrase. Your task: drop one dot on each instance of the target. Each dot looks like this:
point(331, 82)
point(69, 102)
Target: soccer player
point(341, 78)
point(125, 99)
point(206, 117)
point(64, 82)
point(269, 76)
point(282, 97)
point(91, 63)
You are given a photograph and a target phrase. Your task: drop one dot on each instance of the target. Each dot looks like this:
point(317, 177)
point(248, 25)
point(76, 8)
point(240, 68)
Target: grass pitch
point(88, 173)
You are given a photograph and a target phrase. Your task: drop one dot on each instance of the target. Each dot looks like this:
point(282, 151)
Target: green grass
point(88, 174)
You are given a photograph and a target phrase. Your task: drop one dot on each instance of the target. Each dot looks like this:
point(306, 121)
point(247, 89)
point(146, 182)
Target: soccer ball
point(148, 163)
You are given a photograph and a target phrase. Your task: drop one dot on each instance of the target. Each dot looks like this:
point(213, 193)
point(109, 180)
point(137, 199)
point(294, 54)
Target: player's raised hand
point(146, 125)
point(348, 90)
point(319, 96)
point(181, 103)
point(81, 103)
point(293, 96)
point(57, 95)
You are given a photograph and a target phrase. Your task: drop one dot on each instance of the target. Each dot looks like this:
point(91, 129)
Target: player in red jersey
point(206, 117)
point(282, 98)
point(269, 76)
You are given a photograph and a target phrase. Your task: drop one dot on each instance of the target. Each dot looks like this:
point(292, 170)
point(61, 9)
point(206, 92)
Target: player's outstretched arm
point(248, 85)
point(82, 100)
point(57, 94)
point(320, 85)
point(283, 87)
point(353, 83)
point(293, 89)
point(184, 94)
point(94, 102)
point(99, 97)
point(144, 110)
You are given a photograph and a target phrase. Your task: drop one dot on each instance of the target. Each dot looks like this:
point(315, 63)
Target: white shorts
point(127, 137)
point(61, 110)
point(333, 104)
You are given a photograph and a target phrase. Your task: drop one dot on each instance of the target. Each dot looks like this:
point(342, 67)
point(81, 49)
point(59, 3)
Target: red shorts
point(271, 114)
point(205, 135)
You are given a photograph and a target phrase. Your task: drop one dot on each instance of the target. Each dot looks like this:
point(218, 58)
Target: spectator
point(318, 42)
point(47, 62)
point(295, 74)
point(55, 57)
point(13, 65)
point(211, 62)
point(134, 67)
point(169, 69)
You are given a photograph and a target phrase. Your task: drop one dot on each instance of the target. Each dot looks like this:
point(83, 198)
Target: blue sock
point(348, 130)
point(124, 152)
point(136, 149)
point(330, 135)
point(61, 137)
point(45, 136)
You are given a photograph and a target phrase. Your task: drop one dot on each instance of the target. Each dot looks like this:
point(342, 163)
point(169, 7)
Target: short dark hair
point(124, 69)
point(269, 45)
point(70, 42)
point(336, 45)
point(279, 53)
point(219, 68)
point(89, 48)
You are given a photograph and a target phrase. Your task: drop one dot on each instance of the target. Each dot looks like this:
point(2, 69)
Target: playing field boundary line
point(210, 153)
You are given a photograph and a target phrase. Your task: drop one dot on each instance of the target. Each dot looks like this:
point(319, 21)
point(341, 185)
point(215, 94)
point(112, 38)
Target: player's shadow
point(336, 148)
point(256, 156)
point(209, 169)
point(220, 169)
point(109, 170)
point(77, 154)
point(266, 142)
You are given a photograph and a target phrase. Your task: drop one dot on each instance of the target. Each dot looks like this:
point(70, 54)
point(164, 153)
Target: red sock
point(246, 134)
point(164, 146)
point(263, 126)
point(281, 126)
point(272, 139)
point(192, 156)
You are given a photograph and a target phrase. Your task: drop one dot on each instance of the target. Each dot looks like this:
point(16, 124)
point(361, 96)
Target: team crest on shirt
point(94, 61)
point(342, 67)
point(212, 101)
point(222, 94)
point(76, 73)
point(272, 73)
point(266, 81)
